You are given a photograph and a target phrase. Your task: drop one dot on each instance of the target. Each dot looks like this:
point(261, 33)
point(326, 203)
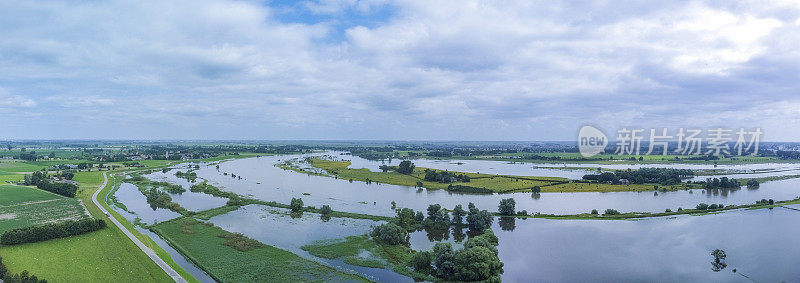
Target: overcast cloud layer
point(374, 69)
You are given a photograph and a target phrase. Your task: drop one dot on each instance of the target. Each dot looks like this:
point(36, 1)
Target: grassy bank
point(363, 251)
point(230, 257)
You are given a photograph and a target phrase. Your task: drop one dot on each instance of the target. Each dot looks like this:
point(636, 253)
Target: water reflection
point(669, 249)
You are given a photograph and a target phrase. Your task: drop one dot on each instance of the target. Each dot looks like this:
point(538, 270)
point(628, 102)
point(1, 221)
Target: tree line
point(663, 176)
point(51, 231)
point(40, 180)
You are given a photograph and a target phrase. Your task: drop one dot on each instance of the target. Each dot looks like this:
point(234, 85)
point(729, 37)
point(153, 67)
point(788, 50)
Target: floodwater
point(137, 206)
point(188, 199)
point(262, 180)
point(760, 244)
point(280, 228)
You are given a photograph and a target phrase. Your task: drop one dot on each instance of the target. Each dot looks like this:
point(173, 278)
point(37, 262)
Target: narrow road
point(149, 252)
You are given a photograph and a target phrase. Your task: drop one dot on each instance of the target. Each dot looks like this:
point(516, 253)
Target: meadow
point(494, 183)
point(230, 257)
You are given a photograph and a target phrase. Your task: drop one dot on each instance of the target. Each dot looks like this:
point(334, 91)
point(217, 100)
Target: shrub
point(611, 212)
point(668, 210)
point(712, 206)
point(51, 231)
point(702, 206)
point(594, 211)
point(421, 261)
point(389, 234)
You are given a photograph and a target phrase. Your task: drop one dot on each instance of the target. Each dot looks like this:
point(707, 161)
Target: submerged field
point(231, 257)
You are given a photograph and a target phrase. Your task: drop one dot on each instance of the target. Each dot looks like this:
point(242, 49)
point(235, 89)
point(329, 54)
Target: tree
point(719, 260)
point(384, 168)
point(405, 167)
point(458, 214)
point(419, 217)
point(296, 205)
point(325, 210)
point(443, 260)
point(390, 234)
point(611, 212)
point(479, 220)
point(405, 218)
point(506, 206)
point(536, 189)
point(476, 264)
point(753, 183)
point(702, 206)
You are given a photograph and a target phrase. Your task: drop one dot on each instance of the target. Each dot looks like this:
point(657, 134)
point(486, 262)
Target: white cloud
point(432, 68)
point(8, 100)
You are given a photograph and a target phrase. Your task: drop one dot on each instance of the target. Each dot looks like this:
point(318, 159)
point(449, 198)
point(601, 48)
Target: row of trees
point(664, 176)
point(438, 218)
point(51, 231)
point(444, 176)
point(41, 181)
point(723, 183)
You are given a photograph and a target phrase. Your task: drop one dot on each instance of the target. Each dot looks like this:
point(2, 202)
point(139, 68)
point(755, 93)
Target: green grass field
point(106, 255)
point(13, 195)
point(40, 212)
point(204, 244)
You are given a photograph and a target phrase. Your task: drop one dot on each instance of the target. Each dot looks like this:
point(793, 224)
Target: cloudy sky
point(401, 70)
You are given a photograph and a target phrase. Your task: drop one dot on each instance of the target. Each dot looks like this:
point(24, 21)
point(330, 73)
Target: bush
point(389, 234)
point(296, 205)
point(421, 262)
point(325, 210)
point(51, 231)
point(611, 212)
point(594, 211)
point(668, 210)
point(507, 206)
point(712, 206)
point(753, 183)
point(702, 206)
